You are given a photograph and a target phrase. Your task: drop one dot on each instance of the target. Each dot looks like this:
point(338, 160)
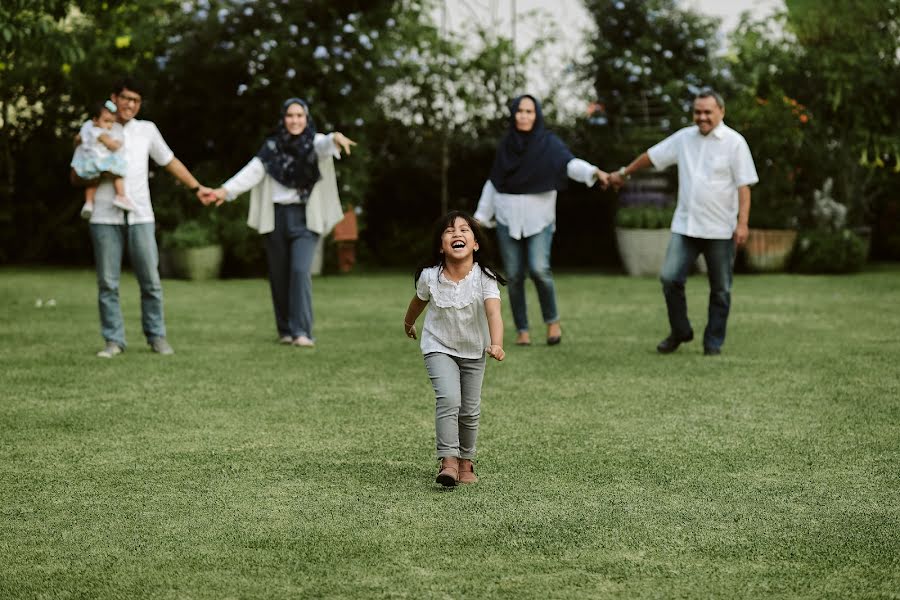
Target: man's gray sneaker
point(161, 346)
point(110, 350)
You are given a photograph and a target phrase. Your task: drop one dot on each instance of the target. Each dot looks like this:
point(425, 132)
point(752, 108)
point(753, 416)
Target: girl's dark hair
point(99, 107)
point(482, 255)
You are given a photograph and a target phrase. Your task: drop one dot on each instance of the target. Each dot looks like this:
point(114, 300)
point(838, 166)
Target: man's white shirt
point(711, 168)
point(143, 141)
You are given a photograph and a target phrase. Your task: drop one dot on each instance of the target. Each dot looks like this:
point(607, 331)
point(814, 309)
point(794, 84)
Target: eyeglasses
point(129, 99)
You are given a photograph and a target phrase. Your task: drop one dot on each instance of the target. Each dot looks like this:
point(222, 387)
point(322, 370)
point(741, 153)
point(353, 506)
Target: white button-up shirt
point(143, 141)
point(528, 214)
point(456, 321)
point(711, 168)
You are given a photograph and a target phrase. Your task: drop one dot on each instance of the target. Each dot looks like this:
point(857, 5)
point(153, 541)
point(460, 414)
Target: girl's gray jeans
point(457, 392)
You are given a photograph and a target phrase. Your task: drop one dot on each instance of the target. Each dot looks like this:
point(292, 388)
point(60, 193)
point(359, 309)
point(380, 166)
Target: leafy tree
point(217, 72)
point(34, 42)
point(820, 89)
point(648, 59)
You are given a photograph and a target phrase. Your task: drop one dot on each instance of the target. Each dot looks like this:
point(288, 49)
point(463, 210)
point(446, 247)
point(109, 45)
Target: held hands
point(410, 330)
point(616, 180)
point(496, 352)
point(603, 178)
point(343, 142)
point(209, 195)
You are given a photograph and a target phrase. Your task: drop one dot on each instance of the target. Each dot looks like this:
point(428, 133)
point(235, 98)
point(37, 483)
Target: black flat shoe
point(712, 351)
point(554, 340)
point(671, 343)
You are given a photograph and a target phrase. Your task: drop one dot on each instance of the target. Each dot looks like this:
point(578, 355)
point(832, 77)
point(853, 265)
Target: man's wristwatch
point(625, 176)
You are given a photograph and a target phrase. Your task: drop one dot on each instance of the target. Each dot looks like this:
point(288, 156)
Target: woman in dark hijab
point(530, 166)
point(293, 201)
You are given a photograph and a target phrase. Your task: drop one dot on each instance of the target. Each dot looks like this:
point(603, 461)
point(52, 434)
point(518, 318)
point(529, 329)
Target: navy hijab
point(529, 162)
point(292, 159)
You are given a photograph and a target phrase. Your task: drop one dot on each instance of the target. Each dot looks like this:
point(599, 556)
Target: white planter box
point(644, 250)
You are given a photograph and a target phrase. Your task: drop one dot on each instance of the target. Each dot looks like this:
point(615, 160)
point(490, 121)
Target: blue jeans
point(109, 243)
point(290, 249)
point(531, 253)
point(680, 256)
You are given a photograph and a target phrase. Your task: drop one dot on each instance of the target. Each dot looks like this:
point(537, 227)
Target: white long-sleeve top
point(323, 207)
point(528, 214)
point(254, 171)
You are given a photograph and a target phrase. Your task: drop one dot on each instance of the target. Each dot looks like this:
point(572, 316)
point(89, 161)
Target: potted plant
point(346, 234)
point(828, 246)
point(775, 127)
point(193, 251)
point(772, 230)
point(642, 235)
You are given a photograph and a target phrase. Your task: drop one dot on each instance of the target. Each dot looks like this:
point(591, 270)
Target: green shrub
point(189, 234)
point(828, 252)
point(645, 217)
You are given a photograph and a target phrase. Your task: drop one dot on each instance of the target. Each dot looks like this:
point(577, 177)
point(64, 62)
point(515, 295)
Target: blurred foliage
point(645, 217)
point(189, 234)
point(648, 59)
point(825, 251)
point(814, 91)
point(818, 96)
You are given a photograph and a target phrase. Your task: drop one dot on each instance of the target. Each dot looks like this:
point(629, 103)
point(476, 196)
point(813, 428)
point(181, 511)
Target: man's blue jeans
point(110, 241)
point(529, 255)
point(680, 256)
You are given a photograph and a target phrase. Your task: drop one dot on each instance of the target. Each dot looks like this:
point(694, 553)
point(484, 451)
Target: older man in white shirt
point(715, 172)
point(112, 230)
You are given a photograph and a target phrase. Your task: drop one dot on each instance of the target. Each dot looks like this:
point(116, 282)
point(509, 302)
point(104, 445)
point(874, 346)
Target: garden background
point(814, 89)
point(238, 468)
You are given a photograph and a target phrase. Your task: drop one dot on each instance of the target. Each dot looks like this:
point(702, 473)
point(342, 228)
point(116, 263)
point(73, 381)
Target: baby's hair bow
point(110, 106)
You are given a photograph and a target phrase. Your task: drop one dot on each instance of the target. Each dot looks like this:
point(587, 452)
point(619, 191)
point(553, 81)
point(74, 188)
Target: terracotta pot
point(769, 249)
point(348, 229)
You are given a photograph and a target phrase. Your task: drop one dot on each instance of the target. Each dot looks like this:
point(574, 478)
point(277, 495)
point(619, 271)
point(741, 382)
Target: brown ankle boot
point(449, 473)
point(467, 471)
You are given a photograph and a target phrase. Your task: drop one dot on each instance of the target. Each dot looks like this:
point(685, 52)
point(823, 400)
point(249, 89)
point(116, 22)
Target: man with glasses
point(715, 172)
point(112, 230)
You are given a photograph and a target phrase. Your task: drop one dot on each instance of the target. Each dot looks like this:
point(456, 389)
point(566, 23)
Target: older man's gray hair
point(711, 93)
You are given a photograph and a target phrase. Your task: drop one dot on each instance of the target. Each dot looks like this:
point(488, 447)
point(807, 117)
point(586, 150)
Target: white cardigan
point(323, 208)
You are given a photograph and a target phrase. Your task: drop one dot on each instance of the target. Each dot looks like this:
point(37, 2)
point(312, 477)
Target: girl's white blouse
point(456, 321)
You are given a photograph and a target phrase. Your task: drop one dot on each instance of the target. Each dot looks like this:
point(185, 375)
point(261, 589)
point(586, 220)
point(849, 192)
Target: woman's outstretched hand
point(343, 142)
point(496, 352)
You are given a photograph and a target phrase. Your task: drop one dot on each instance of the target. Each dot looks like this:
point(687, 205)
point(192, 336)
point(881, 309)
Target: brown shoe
point(449, 473)
point(467, 471)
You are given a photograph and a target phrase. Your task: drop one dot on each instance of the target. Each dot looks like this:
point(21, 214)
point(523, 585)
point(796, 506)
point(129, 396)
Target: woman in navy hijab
point(293, 202)
point(531, 165)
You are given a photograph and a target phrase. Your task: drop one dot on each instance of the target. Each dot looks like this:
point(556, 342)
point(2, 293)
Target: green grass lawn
point(238, 468)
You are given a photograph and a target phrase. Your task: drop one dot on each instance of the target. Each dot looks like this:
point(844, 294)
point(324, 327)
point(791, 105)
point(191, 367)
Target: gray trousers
point(457, 393)
point(290, 249)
